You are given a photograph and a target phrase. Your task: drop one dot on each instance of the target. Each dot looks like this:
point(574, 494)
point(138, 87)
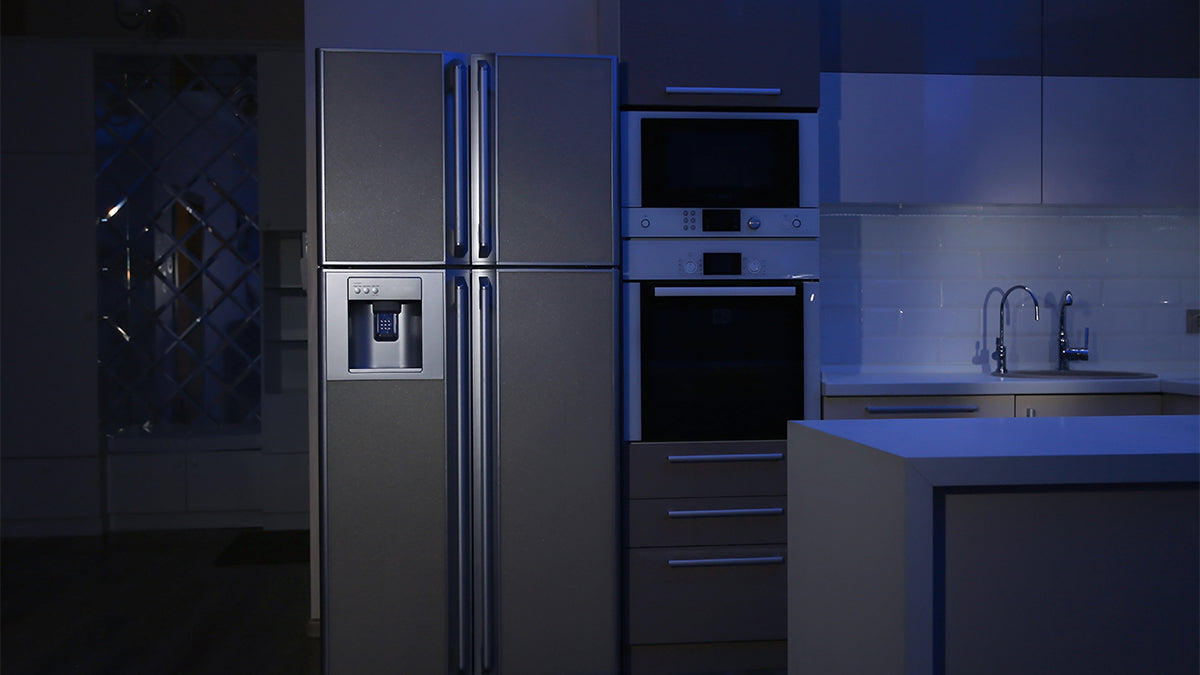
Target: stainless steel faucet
point(1001, 355)
point(1065, 351)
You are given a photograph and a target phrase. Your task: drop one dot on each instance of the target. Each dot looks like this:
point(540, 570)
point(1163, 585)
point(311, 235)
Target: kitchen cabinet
point(946, 139)
point(894, 407)
point(706, 552)
point(1180, 404)
point(989, 37)
point(1115, 38)
point(719, 53)
point(1086, 405)
point(1121, 141)
point(992, 405)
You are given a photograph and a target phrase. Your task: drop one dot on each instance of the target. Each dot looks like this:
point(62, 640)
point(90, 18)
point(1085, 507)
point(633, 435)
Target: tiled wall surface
point(920, 286)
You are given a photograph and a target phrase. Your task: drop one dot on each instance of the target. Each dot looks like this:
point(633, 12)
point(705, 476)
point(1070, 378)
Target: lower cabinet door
point(707, 594)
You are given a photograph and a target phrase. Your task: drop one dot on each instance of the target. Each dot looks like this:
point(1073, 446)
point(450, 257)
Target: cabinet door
point(1087, 405)
point(382, 171)
point(554, 189)
point(1121, 141)
point(557, 466)
point(943, 139)
point(897, 407)
point(756, 45)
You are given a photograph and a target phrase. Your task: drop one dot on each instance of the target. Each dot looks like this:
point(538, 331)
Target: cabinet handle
point(727, 562)
point(745, 457)
point(725, 513)
point(736, 91)
point(894, 409)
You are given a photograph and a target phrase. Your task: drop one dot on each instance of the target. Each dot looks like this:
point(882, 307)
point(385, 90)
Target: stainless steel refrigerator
point(468, 337)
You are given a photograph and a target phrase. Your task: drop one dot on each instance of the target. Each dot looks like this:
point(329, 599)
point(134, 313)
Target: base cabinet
point(706, 554)
point(1021, 405)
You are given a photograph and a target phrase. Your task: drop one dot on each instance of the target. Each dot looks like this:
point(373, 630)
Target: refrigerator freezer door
point(386, 551)
point(393, 157)
point(554, 462)
point(544, 160)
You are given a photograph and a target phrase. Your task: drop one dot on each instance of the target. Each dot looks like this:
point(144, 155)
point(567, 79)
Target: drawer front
point(894, 407)
point(713, 521)
point(707, 594)
point(710, 469)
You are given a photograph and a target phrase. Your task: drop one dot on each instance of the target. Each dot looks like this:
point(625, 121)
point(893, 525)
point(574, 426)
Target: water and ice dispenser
point(384, 325)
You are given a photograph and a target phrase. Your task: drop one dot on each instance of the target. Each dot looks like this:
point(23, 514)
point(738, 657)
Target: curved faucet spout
point(1001, 354)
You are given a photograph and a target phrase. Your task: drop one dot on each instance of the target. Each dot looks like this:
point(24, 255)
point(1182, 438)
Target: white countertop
point(959, 383)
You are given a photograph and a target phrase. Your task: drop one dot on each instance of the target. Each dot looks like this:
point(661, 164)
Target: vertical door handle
point(487, 300)
point(458, 88)
point(462, 337)
point(484, 134)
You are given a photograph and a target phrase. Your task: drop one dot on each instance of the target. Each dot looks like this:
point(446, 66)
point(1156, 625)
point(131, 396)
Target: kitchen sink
point(1079, 374)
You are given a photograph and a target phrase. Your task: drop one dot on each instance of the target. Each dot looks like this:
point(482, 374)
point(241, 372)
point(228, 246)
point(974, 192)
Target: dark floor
point(200, 601)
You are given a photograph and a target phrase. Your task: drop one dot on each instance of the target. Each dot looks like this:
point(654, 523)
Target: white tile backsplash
point(920, 286)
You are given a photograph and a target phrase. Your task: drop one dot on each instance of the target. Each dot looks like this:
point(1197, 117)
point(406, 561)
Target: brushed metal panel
point(382, 162)
point(558, 528)
point(555, 159)
point(385, 534)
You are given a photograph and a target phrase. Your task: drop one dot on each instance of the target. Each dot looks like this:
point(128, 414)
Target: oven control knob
point(690, 267)
point(754, 223)
point(755, 266)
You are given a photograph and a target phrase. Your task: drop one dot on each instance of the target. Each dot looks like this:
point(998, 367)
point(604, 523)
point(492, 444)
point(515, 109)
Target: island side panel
point(847, 576)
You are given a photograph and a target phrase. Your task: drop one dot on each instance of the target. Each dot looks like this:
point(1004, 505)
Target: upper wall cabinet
point(1121, 141)
point(948, 37)
point(1118, 38)
point(930, 139)
point(720, 53)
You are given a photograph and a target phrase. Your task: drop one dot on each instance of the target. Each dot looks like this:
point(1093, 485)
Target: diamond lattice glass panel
point(178, 242)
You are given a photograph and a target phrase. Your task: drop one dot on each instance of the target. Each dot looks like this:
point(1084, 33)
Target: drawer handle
point(727, 562)
point(722, 513)
point(746, 457)
point(736, 91)
point(893, 409)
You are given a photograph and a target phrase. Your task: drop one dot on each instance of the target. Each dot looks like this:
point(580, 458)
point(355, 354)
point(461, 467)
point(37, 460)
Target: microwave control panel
point(686, 222)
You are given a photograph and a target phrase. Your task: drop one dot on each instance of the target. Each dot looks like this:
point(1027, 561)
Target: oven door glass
point(720, 162)
point(721, 361)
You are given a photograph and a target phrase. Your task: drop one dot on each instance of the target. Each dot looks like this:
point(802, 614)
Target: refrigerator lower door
point(391, 439)
point(549, 437)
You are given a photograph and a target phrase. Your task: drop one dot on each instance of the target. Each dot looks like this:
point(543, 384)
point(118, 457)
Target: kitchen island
point(1031, 545)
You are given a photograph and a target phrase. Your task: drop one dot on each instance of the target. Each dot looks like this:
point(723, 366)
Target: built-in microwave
point(716, 174)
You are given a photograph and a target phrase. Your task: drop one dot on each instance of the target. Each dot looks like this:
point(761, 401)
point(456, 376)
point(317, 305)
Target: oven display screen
point(722, 263)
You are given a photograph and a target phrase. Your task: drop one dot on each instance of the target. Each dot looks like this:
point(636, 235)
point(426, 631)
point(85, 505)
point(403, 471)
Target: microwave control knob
point(796, 223)
point(754, 223)
point(645, 222)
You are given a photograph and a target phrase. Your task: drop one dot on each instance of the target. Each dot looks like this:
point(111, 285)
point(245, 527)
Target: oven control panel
point(646, 259)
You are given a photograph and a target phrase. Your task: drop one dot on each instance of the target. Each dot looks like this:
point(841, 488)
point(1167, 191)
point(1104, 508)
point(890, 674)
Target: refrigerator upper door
point(393, 157)
point(544, 160)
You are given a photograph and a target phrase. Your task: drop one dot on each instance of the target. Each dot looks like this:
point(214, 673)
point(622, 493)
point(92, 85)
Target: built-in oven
point(721, 338)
